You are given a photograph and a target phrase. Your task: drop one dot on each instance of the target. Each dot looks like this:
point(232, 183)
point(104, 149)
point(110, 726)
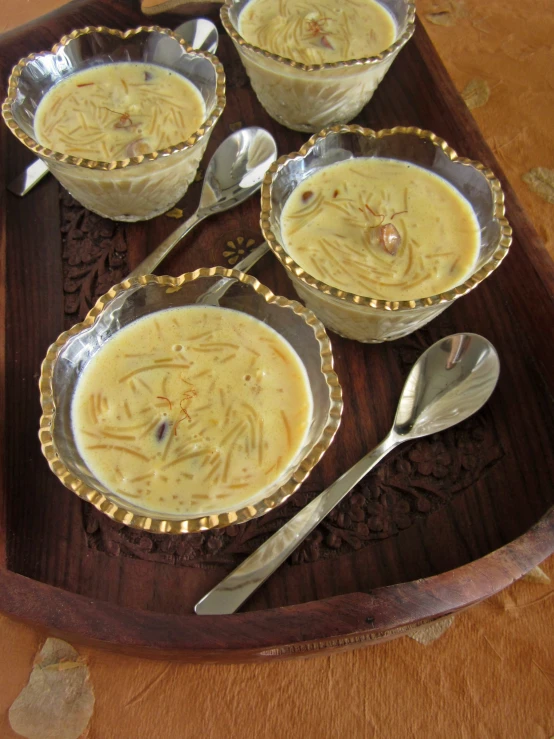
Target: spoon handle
point(231, 592)
point(27, 179)
point(217, 291)
point(148, 265)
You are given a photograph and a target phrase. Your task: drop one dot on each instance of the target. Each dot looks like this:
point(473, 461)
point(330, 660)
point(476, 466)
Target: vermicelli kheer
point(192, 410)
point(313, 65)
point(319, 33)
point(381, 228)
point(117, 111)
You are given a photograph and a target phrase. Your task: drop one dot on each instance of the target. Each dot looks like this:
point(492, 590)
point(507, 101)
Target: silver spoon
point(213, 295)
point(199, 33)
point(447, 384)
point(235, 172)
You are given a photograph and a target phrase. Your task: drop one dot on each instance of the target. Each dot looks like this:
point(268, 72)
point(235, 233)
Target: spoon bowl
point(237, 168)
point(234, 173)
point(448, 383)
point(200, 33)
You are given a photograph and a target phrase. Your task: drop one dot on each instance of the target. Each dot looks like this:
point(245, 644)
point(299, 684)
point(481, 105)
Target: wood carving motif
point(411, 347)
point(406, 487)
point(94, 257)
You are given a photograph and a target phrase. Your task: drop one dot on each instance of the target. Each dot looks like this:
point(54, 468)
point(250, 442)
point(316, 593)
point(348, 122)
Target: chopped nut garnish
point(387, 237)
point(137, 148)
point(390, 238)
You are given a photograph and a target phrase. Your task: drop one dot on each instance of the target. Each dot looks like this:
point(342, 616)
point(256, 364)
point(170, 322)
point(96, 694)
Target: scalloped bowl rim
point(156, 523)
point(292, 267)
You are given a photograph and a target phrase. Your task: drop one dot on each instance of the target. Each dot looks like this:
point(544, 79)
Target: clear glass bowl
point(311, 97)
point(140, 296)
point(137, 188)
point(362, 317)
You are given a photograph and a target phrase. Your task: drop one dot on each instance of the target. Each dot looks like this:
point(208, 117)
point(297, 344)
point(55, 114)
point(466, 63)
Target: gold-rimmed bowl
point(141, 296)
point(311, 97)
point(362, 317)
point(136, 188)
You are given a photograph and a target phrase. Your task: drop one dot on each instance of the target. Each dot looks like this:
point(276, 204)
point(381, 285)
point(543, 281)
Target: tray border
point(356, 619)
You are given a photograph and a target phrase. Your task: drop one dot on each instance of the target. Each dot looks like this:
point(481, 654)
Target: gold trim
point(364, 61)
point(159, 525)
point(391, 305)
point(57, 156)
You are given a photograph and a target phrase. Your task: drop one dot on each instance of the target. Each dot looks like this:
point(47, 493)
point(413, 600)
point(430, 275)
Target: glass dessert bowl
point(133, 188)
point(365, 317)
point(139, 298)
point(309, 97)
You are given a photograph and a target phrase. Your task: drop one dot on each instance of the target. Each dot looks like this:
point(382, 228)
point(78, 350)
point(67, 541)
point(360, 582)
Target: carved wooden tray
point(440, 525)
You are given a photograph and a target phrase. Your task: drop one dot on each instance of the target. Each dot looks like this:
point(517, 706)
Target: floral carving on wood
point(411, 347)
point(94, 257)
point(239, 247)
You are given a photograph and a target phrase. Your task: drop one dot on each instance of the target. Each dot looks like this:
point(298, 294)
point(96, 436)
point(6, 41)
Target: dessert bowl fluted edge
point(74, 37)
point(279, 170)
point(113, 506)
point(369, 61)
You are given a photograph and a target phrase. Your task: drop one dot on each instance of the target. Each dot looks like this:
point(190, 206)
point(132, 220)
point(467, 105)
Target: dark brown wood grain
point(442, 524)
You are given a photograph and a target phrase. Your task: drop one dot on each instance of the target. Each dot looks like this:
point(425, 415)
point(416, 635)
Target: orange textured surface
point(510, 46)
point(491, 674)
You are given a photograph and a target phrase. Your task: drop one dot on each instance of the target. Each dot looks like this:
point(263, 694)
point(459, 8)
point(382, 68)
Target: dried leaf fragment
point(174, 213)
point(537, 575)
point(541, 181)
point(59, 666)
point(430, 632)
point(447, 14)
point(58, 701)
point(476, 93)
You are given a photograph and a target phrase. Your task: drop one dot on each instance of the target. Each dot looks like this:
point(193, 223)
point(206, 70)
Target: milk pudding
point(124, 138)
point(313, 65)
point(318, 33)
point(117, 111)
point(381, 228)
point(192, 410)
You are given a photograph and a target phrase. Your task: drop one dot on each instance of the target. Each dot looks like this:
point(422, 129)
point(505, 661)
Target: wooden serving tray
point(440, 525)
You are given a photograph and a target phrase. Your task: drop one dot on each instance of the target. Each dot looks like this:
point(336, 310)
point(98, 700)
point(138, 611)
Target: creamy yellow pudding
point(315, 78)
point(117, 111)
point(132, 133)
point(318, 33)
point(381, 228)
point(192, 410)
